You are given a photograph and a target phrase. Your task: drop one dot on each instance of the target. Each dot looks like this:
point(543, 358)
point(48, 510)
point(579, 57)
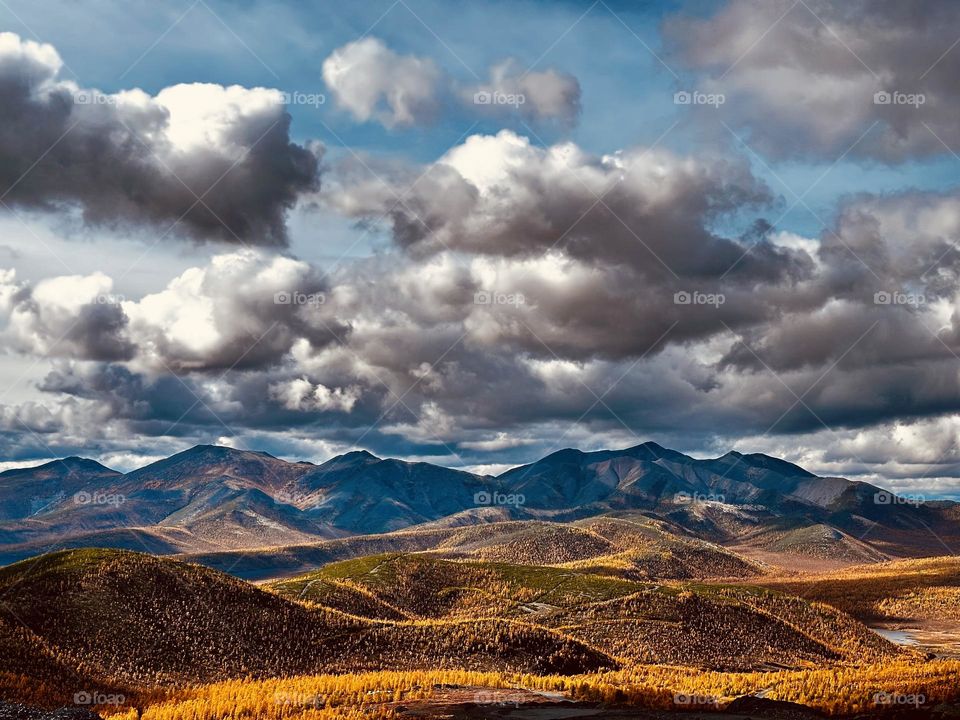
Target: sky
point(474, 234)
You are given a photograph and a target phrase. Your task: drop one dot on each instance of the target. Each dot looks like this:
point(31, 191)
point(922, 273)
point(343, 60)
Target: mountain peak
point(218, 451)
point(359, 455)
point(205, 448)
point(566, 454)
point(775, 464)
point(352, 459)
point(653, 450)
point(72, 463)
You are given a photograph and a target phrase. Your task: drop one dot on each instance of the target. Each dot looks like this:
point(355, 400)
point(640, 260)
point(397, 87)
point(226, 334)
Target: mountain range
point(212, 499)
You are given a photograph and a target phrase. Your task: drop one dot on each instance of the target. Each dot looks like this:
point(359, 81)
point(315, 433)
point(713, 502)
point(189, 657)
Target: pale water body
point(899, 637)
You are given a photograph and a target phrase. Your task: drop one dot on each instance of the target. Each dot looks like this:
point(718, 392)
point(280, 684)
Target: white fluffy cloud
point(371, 81)
point(301, 394)
point(244, 309)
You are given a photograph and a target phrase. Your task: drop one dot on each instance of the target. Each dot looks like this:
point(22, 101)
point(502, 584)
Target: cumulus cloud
point(301, 394)
point(72, 316)
point(593, 250)
point(245, 309)
point(814, 77)
point(536, 95)
point(501, 195)
point(200, 160)
point(373, 82)
point(890, 272)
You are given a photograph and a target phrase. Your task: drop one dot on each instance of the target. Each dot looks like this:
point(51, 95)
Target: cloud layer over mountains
point(532, 295)
point(465, 331)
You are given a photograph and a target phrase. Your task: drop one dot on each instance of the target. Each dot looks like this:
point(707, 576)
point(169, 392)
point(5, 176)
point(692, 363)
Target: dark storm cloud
point(198, 160)
point(812, 78)
point(98, 333)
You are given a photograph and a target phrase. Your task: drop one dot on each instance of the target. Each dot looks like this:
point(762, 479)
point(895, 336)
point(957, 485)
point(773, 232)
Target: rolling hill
point(118, 620)
point(635, 548)
point(180, 636)
point(711, 626)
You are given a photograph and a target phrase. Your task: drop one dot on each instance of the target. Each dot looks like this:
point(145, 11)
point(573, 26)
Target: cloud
point(301, 394)
point(811, 79)
point(501, 441)
point(72, 316)
point(501, 195)
point(372, 82)
point(536, 96)
point(563, 310)
point(245, 309)
point(888, 271)
point(197, 160)
point(589, 253)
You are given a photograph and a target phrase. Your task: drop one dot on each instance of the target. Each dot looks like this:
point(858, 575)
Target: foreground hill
point(718, 627)
point(398, 631)
point(635, 547)
point(108, 619)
